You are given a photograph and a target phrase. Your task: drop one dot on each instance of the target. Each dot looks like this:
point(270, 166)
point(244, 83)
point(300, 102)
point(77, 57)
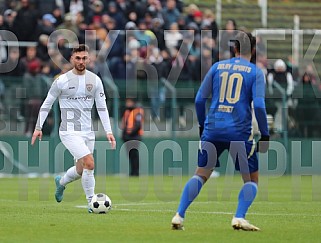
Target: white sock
point(70, 176)
point(88, 183)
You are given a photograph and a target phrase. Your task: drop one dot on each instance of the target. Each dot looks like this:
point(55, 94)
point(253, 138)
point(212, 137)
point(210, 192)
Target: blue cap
point(49, 17)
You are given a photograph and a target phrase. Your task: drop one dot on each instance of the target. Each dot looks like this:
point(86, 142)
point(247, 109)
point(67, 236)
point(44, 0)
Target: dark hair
point(80, 48)
point(244, 43)
point(233, 22)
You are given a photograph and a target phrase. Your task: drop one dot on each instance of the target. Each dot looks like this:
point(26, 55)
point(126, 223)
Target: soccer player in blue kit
point(232, 85)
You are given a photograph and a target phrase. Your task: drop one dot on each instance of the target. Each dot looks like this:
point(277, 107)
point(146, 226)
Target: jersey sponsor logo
point(84, 98)
point(225, 108)
point(72, 87)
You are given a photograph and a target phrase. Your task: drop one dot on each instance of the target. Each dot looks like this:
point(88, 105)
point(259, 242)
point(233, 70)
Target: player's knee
point(89, 163)
point(203, 173)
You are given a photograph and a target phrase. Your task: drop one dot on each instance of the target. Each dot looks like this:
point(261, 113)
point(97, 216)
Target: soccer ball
point(100, 203)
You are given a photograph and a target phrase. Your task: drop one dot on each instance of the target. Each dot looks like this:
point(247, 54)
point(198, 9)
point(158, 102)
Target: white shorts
point(79, 145)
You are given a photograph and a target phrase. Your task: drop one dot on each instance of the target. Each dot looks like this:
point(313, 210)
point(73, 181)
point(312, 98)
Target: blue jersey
point(232, 85)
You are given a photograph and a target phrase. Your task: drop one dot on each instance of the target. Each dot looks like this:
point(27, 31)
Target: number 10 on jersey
point(228, 82)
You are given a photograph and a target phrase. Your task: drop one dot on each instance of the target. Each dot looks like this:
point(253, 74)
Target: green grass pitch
point(287, 209)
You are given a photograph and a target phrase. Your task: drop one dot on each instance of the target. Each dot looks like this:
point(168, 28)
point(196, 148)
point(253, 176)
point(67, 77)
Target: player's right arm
point(52, 95)
point(258, 91)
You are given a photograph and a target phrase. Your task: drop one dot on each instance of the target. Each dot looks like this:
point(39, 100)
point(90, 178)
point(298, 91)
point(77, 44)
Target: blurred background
point(158, 53)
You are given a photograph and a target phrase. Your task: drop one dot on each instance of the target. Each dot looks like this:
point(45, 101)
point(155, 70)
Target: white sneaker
point(177, 222)
point(241, 223)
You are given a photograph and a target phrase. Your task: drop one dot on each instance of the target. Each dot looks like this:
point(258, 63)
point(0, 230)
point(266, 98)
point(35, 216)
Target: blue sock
point(246, 197)
point(190, 192)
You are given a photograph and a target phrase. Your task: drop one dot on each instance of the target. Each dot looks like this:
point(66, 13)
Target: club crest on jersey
point(89, 87)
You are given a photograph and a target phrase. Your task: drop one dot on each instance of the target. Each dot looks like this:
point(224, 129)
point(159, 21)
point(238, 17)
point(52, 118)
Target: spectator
point(144, 35)
point(116, 15)
point(280, 75)
point(135, 10)
point(203, 64)
point(154, 8)
point(42, 48)
point(226, 47)
point(61, 48)
point(307, 112)
point(82, 27)
point(198, 18)
point(158, 31)
point(122, 6)
point(47, 25)
point(36, 90)
point(131, 59)
point(96, 10)
point(170, 13)
point(31, 55)
point(132, 125)
point(68, 24)
point(172, 37)
point(154, 59)
point(14, 67)
point(180, 76)
point(181, 22)
point(25, 22)
point(114, 46)
point(164, 69)
point(148, 20)
point(190, 10)
point(209, 23)
point(98, 31)
point(9, 17)
point(57, 14)
point(75, 7)
point(105, 18)
point(56, 62)
point(132, 17)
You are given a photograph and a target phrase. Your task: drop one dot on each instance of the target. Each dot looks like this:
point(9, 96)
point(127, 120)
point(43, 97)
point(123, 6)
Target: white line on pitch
point(209, 212)
point(221, 213)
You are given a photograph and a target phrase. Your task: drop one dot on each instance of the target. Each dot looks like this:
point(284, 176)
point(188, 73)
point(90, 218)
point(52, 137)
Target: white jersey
point(76, 94)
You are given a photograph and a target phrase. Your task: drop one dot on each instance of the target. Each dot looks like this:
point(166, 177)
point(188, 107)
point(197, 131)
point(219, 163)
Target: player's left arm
point(258, 91)
point(101, 106)
point(202, 95)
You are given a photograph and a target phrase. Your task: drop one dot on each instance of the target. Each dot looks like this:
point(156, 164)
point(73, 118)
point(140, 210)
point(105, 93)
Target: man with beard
point(77, 90)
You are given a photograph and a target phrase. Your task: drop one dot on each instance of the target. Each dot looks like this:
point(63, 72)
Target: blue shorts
point(242, 152)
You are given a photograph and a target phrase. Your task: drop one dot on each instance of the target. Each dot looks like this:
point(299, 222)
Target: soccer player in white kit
point(77, 90)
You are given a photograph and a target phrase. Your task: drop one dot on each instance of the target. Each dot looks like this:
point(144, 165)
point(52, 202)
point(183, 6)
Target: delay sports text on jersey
point(241, 68)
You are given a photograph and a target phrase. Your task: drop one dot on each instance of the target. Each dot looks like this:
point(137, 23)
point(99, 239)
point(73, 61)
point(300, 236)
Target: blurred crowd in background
point(128, 42)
